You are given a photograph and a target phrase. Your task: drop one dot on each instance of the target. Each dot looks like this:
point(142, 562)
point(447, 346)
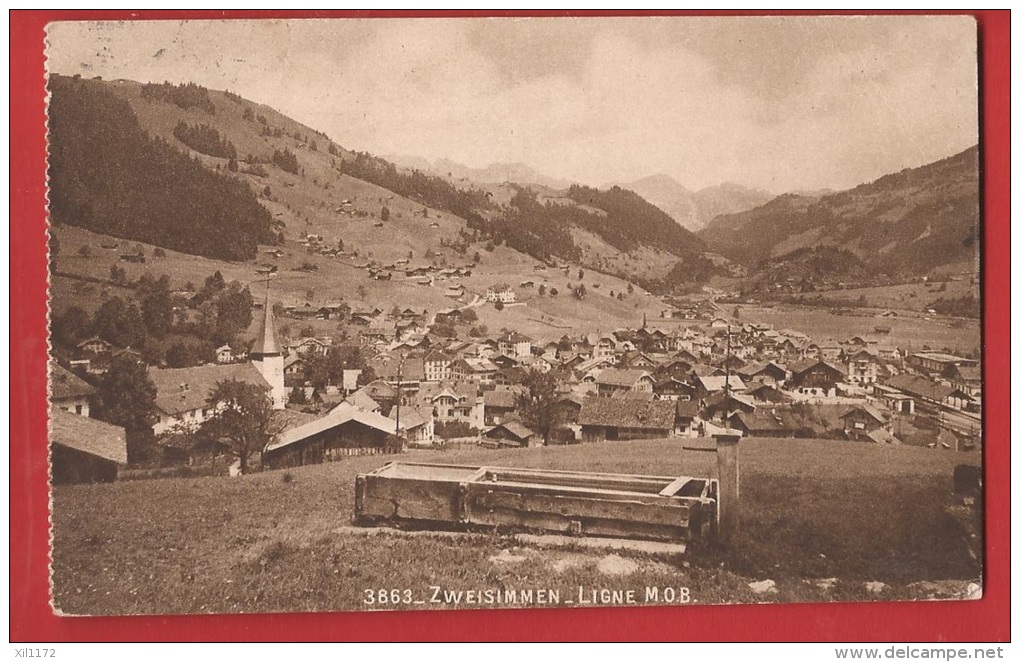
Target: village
point(422, 388)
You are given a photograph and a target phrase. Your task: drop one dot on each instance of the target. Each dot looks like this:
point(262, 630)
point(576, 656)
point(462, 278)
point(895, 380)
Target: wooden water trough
point(578, 503)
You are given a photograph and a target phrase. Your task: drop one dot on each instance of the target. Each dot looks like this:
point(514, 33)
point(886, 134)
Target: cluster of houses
point(628, 384)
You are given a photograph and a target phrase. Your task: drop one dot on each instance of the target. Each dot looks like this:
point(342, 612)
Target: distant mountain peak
point(695, 209)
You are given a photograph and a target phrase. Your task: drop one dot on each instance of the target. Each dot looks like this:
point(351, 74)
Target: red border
point(31, 618)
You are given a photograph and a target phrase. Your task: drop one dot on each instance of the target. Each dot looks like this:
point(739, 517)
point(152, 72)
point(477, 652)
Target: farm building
point(775, 423)
point(765, 373)
point(84, 450)
point(720, 405)
point(604, 419)
point(613, 380)
point(687, 423)
point(500, 402)
point(346, 430)
point(68, 391)
point(815, 377)
point(416, 426)
point(860, 421)
point(182, 394)
point(515, 433)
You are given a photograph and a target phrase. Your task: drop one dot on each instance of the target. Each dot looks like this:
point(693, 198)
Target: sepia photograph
point(360, 314)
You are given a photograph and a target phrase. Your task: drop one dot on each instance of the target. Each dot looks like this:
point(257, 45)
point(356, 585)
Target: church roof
point(267, 342)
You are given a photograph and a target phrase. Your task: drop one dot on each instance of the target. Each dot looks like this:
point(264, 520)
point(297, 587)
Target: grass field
point(911, 332)
point(811, 510)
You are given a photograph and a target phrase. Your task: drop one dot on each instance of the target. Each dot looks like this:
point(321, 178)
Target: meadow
point(813, 511)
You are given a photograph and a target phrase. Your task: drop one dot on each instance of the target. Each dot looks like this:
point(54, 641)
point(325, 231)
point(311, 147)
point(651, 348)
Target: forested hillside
point(108, 175)
point(901, 225)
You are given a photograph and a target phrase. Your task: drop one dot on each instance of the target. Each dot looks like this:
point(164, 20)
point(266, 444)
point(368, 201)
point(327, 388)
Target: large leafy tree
point(244, 419)
point(537, 404)
point(127, 397)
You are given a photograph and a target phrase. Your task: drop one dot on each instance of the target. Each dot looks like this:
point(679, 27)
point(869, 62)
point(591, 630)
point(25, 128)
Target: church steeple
point(267, 343)
point(267, 356)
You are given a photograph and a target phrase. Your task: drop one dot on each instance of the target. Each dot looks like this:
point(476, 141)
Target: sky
point(776, 103)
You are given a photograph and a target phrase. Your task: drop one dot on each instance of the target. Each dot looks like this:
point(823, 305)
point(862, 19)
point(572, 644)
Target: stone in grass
point(764, 586)
point(615, 564)
point(875, 587)
point(506, 556)
point(827, 584)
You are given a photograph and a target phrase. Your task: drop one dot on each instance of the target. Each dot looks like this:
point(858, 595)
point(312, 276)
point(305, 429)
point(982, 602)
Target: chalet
point(454, 402)
point(345, 430)
point(604, 419)
point(294, 369)
point(862, 420)
point(501, 294)
point(761, 423)
point(84, 450)
point(863, 367)
point(603, 346)
point(611, 380)
point(637, 360)
point(569, 408)
point(705, 386)
point(759, 392)
point(94, 346)
point(416, 426)
point(182, 394)
point(815, 377)
point(765, 373)
point(500, 403)
point(733, 363)
point(719, 405)
point(475, 369)
point(69, 392)
point(687, 421)
point(671, 388)
point(381, 392)
point(224, 354)
point(309, 346)
point(514, 434)
point(455, 291)
point(363, 400)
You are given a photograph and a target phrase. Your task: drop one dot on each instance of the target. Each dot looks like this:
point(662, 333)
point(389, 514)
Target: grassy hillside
point(811, 510)
point(321, 199)
point(901, 225)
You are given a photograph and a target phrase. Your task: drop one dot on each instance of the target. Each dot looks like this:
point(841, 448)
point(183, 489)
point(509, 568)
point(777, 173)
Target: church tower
point(267, 356)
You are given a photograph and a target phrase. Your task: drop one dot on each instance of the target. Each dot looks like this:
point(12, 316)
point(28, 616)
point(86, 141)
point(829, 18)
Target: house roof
point(969, 373)
point(88, 435)
point(621, 377)
point(361, 398)
point(517, 430)
point(802, 366)
point(410, 418)
point(919, 386)
point(342, 413)
point(712, 384)
point(870, 410)
point(764, 421)
point(65, 385)
point(687, 408)
point(184, 389)
point(650, 415)
point(502, 397)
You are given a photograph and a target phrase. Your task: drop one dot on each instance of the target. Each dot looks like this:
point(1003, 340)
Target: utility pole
point(728, 466)
point(400, 383)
